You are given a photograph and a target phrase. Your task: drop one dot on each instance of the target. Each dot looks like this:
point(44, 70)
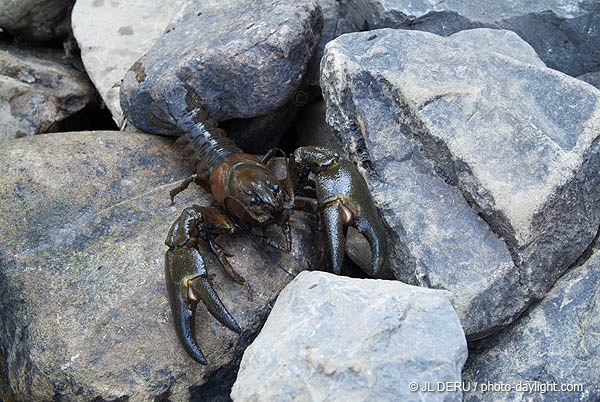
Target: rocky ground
point(475, 126)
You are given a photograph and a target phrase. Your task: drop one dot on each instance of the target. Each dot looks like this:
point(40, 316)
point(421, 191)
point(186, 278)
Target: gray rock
point(500, 41)
point(37, 89)
point(564, 33)
point(335, 23)
point(332, 338)
point(113, 35)
point(259, 134)
point(5, 394)
point(243, 58)
point(483, 164)
point(84, 312)
point(555, 342)
point(591, 78)
point(38, 20)
point(311, 128)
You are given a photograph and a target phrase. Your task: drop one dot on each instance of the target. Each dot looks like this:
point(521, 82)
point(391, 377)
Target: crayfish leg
point(183, 186)
point(222, 257)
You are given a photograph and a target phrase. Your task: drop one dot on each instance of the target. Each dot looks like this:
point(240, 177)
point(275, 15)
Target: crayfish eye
point(275, 187)
point(253, 200)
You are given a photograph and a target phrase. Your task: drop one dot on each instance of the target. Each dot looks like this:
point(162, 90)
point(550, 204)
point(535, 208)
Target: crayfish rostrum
point(249, 195)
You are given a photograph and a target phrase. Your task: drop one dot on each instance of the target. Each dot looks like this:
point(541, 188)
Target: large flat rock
point(84, 311)
point(331, 338)
point(112, 35)
point(484, 162)
point(564, 33)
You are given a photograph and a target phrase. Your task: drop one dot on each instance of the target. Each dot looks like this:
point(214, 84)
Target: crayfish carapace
point(248, 194)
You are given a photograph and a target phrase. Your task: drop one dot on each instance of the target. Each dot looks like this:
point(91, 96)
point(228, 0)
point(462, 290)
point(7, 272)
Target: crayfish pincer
point(249, 197)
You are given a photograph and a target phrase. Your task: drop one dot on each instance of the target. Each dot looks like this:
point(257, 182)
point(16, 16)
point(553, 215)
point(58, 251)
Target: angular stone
point(242, 58)
point(500, 41)
point(335, 23)
point(38, 20)
point(310, 128)
point(342, 339)
point(84, 312)
point(555, 342)
point(564, 33)
point(113, 35)
point(484, 165)
point(37, 89)
point(591, 78)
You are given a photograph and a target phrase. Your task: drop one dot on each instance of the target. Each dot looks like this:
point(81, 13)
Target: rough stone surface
point(332, 338)
point(484, 165)
point(591, 78)
point(38, 20)
point(565, 33)
point(240, 67)
point(113, 35)
point(500, 41)
point(311, 128)
point(555, 342)
point(335, 23)
point(37, 89)
point(84, 312)
point(5, 394)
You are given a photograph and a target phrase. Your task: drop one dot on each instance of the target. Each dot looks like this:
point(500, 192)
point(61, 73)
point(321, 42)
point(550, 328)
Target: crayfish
point(249, 195)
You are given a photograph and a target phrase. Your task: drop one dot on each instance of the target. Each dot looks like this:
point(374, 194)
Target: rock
point(565, 34)
point(555, 342)
point(5, 394)
point(310, 128)
point(113, 35)
point(335, 23)
point(341, 339)
point(38, 20)
point(240, 67)
point(84, 313)
point(484, 165)
point(37, 89)
point(261, 133)
point(591, 78)
point(501, 41)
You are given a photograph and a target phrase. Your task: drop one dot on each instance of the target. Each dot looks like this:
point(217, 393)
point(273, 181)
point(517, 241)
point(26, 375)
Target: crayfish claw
point(370, 226)
point(183, 307)
point(212, 302)
point(187, 283)
point(344, 200)
point(332, 218)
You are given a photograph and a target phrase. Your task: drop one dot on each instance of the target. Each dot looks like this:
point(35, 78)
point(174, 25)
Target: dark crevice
point(217, 385)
